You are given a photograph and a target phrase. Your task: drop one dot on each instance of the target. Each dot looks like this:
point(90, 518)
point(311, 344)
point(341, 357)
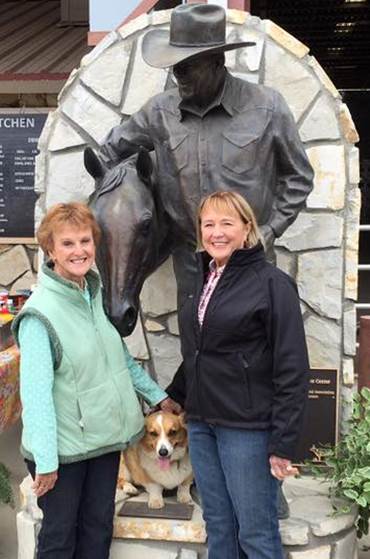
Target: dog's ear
point(182, 419)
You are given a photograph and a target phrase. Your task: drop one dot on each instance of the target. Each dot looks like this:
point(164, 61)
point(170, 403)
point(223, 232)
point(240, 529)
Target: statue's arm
point(294, 174)
point(126, 138)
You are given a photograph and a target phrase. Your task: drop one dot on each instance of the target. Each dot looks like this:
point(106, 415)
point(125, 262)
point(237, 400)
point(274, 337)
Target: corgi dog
point(160, 460)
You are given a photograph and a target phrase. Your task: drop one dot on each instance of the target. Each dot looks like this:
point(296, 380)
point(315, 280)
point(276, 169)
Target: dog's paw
point(183, 496)
point(120, 495)
point(155, 502)
point(130, 489)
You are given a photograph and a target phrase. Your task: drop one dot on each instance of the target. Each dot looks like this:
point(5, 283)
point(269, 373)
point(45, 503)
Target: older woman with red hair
point(79, 389)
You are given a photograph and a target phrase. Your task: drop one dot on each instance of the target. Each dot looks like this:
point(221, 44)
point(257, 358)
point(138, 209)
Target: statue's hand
point(268, 237)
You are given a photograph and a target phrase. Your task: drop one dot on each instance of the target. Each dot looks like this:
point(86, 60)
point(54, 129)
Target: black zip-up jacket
point(247, 367)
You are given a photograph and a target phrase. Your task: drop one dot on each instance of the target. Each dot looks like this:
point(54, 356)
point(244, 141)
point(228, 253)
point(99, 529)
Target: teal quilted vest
point(97, 410)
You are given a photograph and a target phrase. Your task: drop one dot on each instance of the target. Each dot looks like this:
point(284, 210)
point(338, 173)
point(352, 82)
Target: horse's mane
point(113, 178)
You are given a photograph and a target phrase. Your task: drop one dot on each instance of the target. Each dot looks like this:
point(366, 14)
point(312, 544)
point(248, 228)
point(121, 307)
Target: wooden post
point(364, 353)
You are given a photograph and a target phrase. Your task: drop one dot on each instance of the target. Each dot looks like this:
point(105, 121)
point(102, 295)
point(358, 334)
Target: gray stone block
point(159, 294)
point(153, 78)
point(328, 163)
point(286, 261)
point(322, 552)
point(349, 330)
point(136, 342)
point(166, 354)
point(312, 127)
point(250, 58)
point(106, 75)
point(280, 66)
point(304, 486)
point(324, 341)
point(294, 532)
point(318, 511)
point(13, 264)
point(64, 136)
point(70, 180)
point(188, 554)
point(89, 114)
point(346, 548)
point(173, 325)
point(311, 231)
point(142, 550)
point(319, 280)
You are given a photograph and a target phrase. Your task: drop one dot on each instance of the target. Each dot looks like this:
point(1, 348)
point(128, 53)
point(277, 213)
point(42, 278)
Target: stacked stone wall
point(319, 250)
point(18, 267)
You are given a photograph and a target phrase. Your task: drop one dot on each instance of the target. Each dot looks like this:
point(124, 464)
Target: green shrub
point(348, 463)
point(6, 493)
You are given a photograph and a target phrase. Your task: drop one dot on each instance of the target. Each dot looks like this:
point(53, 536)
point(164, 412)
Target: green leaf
point(361, 501)
point(367, 496)
point(6, 493)
point(365, 472)
point(351, 494)
point(348, 463)
point(365, 393)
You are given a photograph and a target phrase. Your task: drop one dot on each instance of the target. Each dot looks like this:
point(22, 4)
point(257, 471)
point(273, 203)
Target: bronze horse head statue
point(134, 232)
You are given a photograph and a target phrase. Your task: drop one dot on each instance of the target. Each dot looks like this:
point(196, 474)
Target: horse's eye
point(145, 227)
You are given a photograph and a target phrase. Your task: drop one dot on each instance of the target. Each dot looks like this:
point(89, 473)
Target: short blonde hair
point(75, 214)
point(229, 202)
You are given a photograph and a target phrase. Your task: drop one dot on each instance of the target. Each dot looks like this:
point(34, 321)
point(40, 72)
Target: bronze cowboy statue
point(213, 132)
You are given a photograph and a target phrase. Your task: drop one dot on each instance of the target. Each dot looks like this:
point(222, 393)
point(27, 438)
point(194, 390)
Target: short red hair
point(75, 214)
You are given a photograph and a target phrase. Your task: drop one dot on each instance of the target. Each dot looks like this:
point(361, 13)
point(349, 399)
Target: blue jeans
point(78, 511)
point(237, 490)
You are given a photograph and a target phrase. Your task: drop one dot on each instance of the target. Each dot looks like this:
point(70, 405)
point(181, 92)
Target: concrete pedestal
point(311, 532)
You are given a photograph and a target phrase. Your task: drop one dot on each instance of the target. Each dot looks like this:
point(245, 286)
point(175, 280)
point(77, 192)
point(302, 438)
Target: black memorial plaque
point(321, 415)
point(19, 134)
point(140, 509)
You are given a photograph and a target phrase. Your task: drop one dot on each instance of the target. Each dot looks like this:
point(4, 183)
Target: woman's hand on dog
point(170, 406)
point(282, 468)
point(44, 483)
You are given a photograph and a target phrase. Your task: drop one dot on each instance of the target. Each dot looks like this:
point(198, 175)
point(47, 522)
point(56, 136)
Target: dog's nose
point(163, 451)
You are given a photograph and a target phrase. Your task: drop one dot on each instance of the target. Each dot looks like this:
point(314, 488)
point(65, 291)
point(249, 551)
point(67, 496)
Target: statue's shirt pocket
point(177, 152)
point(239, 151)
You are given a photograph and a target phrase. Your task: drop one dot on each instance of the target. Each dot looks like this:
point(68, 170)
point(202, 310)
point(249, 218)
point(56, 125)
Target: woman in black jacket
point(243, 380)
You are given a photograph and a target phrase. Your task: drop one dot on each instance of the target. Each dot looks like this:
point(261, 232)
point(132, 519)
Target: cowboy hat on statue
point(195, 29)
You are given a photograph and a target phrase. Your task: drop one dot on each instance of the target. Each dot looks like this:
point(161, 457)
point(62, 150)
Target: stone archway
point(319, 249)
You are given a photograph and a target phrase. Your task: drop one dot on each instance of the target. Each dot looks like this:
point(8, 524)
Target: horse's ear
point(144, 166)
point(92, 163)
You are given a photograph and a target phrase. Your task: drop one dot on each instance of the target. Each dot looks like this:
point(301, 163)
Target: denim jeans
point(78, 511)
point(237, 490)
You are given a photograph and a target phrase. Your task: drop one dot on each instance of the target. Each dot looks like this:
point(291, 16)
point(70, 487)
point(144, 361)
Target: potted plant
point(348, 463)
